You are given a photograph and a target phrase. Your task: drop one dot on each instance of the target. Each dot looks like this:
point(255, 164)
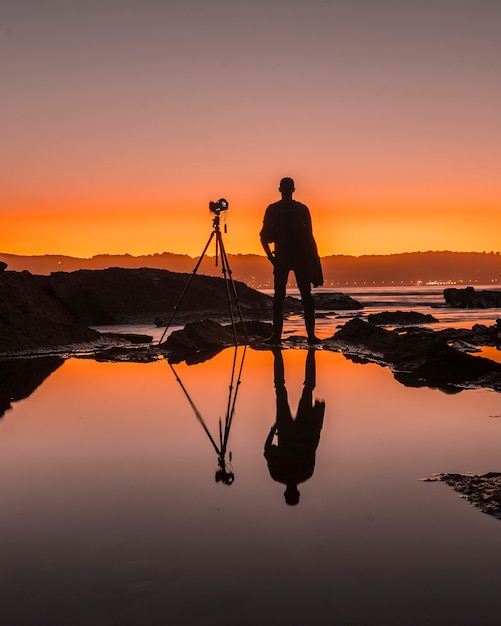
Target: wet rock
point(134, 338)
point(478, 335)
point(292, 305)
point(201, 340)
point(124, 296)
point(124, 353)
point(483, 492)
point(469, 298)
point(32, 318)
point(417, 358)
point(335, 301)
point(400, 318)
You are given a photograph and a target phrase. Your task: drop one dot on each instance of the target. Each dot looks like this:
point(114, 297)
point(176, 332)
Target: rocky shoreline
point(482, 492)
point(44, 315)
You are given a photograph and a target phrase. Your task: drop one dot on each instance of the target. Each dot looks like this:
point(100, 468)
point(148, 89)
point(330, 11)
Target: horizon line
point(254, 254)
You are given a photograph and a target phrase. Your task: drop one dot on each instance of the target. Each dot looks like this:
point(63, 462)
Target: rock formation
point(32, 318)
point(418, 357)
point(201, 340)
point(123, 296)
point(483, 492)
point(400, 318)
point(468, 298)
point(334, 301)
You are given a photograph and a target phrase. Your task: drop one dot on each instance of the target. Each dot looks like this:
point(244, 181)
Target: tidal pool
point(111, 513)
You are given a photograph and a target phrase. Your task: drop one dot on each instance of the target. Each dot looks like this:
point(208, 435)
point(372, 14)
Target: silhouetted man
point(292, 460)
point(287, 224)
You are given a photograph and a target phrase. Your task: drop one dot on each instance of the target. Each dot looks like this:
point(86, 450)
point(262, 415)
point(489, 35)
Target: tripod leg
point(224, 269)
point(230, 283)
point(187, 286)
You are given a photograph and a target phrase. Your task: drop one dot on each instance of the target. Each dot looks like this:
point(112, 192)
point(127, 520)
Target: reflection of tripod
point(231, 292)
point(225, 472)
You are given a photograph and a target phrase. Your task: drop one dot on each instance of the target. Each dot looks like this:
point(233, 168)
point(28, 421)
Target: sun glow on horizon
point(347, 231)
point(386, 117)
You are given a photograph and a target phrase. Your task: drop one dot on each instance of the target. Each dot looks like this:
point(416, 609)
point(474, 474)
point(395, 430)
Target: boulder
point(418, 358)
point(124, 296)
point(201, 340)
point(469, 298)
point(32, 318)
point(334, 301)
point(483, 492)
point(478, 335)
point(400, 318)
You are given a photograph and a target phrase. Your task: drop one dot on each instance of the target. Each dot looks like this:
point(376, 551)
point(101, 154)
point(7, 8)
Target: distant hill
point(409, 268)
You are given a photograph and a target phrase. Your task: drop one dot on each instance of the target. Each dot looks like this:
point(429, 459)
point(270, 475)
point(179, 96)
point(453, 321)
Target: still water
point(111, 513)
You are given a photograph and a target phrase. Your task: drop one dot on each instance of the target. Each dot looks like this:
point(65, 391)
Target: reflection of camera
point(220, 205)
point(225, 476)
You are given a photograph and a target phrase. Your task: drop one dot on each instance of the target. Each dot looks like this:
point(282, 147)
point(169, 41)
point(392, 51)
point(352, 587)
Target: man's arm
point(268, 251)
point(268, 445)
point(307, 220)
point(266, 235)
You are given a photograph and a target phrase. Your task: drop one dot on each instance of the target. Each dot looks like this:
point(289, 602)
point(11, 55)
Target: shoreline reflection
point(19, 378)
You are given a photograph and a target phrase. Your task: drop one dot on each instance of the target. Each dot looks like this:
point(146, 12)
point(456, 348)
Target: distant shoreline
point(410, 269)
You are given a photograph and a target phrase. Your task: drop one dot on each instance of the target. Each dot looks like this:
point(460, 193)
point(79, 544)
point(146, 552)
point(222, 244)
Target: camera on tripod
point(217, 207)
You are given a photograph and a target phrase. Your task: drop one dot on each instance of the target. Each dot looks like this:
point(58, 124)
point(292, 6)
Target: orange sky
point(120, 126)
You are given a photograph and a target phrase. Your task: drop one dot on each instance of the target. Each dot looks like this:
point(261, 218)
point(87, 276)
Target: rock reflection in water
point(20, 377)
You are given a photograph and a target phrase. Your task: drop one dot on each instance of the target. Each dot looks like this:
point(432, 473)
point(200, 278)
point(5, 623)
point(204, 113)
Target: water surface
point(111, 513)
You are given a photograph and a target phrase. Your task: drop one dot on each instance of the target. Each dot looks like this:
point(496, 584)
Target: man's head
point(287, 186)
point(291, 494)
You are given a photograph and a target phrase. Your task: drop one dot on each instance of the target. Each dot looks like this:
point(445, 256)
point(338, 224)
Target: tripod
point(231, 292)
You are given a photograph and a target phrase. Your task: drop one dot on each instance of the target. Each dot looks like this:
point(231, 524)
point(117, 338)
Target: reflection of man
point(287, 224)
point(292, 460)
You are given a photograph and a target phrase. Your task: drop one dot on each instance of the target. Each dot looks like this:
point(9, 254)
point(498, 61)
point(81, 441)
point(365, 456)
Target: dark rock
point(201, 340)
point(335, 301)
point(122, 296)
point(20, 377)
point(419, 358)
point(468, 298)
point(401, 318)
point(32, 318)
point(478, 335)
point(292, 305)
point(483, 492)
point(124, 353)
point(3, 266)
point(134, 338)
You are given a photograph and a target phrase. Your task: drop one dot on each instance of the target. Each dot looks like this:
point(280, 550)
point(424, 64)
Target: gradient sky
point(122, 119)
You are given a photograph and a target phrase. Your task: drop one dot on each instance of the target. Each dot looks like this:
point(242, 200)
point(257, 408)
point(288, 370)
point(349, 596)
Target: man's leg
point(303, 284)
point(280, 280)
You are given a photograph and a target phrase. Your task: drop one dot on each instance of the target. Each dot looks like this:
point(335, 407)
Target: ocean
point(426, 299)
